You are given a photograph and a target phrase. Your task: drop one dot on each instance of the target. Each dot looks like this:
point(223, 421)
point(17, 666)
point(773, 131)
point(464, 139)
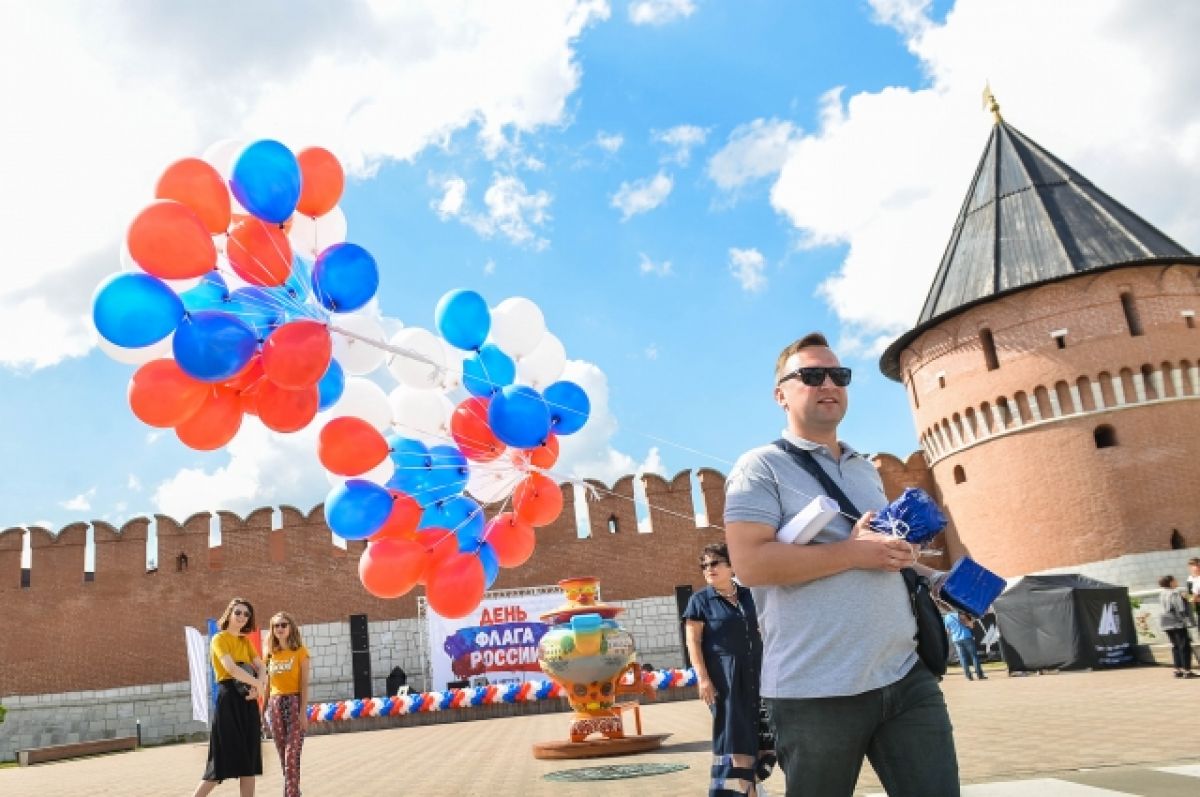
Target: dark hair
point(715, 550)
point(808, 341)
point(250, 625)
point(1165, 582)
point(1195, 560)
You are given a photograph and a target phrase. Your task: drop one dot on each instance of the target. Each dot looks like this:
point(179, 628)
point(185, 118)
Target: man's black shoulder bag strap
point(933, 646)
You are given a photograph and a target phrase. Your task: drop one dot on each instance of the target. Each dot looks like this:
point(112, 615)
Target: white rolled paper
point(808, 521)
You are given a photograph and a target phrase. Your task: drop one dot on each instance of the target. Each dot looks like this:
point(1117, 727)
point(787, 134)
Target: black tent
point(1065, 622)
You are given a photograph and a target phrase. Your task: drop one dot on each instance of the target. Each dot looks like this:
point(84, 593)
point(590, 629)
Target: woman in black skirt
point(235, 743)
point(725, 647)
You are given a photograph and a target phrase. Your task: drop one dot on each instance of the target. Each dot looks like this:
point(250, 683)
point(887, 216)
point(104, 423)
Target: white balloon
point(364, 399)
point(517, 326)
point(453, 358)
point(544, 365)
point(490, 482)
point(138, 356)
point(422, 414)
point(331, 229)
point(411, 371)
point(303, 236)
point(380, 474)
point(357, 357)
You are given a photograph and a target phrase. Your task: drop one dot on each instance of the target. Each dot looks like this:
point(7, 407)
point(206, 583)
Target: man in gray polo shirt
point(840, 671)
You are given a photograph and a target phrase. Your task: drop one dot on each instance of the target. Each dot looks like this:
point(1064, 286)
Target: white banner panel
point(197, 653)
point(497, 641)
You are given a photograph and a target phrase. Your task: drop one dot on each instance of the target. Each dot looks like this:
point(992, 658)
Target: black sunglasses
point(708, 565)
point(814, 375)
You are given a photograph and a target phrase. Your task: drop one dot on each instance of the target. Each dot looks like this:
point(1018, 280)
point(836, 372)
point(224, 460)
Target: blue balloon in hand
point(488, 370)
point(213, 346)
point(461, 515)
point(519, 416)
point(412, 461)
point(345, 277)
point(569, 407)
point(357, 509)
point(266, 180)
point(331, 385)
point(491, 564)
point(447, 475)
point(135, 310)
point(463, 318)
point(210, 294)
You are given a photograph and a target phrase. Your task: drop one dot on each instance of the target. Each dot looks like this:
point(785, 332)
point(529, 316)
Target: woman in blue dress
point(725, 647)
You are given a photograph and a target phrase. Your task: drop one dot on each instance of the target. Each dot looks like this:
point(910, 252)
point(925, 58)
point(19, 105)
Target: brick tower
point(1053, 371)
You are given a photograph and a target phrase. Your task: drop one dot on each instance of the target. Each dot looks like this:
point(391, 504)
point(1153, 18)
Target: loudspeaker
point(683, 594)
point(360, 640)
point(360, 656)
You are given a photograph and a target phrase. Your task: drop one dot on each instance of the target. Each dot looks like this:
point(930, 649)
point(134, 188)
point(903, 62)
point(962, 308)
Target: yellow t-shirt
point(284, 668)
point(238, 647)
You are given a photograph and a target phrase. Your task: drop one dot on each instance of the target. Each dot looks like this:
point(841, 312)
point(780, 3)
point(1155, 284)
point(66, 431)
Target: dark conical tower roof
point(1028, 218)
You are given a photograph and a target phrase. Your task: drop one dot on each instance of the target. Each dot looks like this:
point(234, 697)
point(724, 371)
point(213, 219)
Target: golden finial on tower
point(989, 102)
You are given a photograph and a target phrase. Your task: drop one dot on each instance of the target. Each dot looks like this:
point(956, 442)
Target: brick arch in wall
point(1087, 394)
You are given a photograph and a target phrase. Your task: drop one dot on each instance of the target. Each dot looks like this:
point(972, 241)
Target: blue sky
point(682, 186)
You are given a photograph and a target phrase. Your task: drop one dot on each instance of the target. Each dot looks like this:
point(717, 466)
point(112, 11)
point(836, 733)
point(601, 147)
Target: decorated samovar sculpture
point(593, 659)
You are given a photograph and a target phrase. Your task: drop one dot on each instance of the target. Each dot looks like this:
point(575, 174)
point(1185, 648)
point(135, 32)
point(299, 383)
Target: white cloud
point(747, 266)
point(81, 502)
point(754, 151)
point(489, 268)
point(651, 352)
point(886, 172)
point(355, 78)
point(681, 140)
point(589, 453)
point(642, 195)
point(134, 484)
point(454, 193)
point(609, 142)
point(648, 266)
point(659, 12)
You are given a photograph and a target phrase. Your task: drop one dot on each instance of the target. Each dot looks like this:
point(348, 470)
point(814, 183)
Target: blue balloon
point(299, 282)
point(211, 294)
point(569, 407)
point(135, 310)
point(461, 515)
point(213, 346)
point(412, 461)
point(519, 416)
point(261, 309)
point(345, 277)
point(491, 565)
point(357, 509)
point(331, 385)
point(266, 180)
point(488, 370)
point(463, 318)
point(447, 474)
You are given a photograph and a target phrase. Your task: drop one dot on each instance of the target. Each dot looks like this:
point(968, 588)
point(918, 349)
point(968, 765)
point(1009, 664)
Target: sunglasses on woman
point(710, 565)
point(241, 612)
point(814, 375)
point(280, 625)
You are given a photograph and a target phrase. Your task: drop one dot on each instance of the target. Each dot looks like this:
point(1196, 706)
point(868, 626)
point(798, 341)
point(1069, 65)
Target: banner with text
point(499, 640)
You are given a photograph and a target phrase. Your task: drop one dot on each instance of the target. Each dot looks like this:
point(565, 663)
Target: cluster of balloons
point(238, 298)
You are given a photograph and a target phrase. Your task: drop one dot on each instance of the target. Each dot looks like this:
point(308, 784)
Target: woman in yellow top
point(287, 711)
point(235, 742)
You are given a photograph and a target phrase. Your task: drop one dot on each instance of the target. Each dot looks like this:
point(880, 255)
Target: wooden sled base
point(595, 748)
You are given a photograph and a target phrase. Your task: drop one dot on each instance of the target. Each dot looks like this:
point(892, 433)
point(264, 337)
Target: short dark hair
point(1165, 582)
point(1195, 560)
point(808, 341)
point(715, 550)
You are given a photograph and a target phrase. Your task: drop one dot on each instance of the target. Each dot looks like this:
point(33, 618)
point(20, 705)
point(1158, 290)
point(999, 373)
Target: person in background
point(287, 711)
point(721, 626)
point(958, 625)
point(235, 741)
point(1175, 620)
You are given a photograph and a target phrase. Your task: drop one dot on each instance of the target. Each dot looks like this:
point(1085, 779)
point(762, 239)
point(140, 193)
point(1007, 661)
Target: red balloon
point(402, 522)
point(161, 394)
point(248, 376)
point(297, 354)
point(350, 446)
point(259, 252)
point(390, 568)
point(167, 239)
point(439, 544)
point(199, 186)
point(512, 540)
point(456, 587)
point(286, 410)
point(472, 433)
point(215, 423)
point(321, 181)
point(537, 500)
point(543, 456)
